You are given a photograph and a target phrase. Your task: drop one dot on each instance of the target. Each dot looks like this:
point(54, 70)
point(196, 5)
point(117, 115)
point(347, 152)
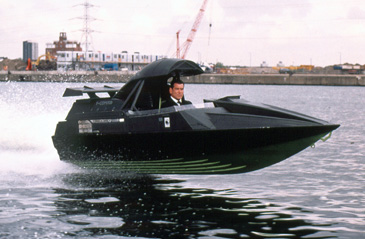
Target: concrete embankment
point(280, 79)
point(250, 79)
point(55, 76)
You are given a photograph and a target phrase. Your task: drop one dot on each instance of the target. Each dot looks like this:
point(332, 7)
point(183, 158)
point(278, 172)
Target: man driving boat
point(176, 91)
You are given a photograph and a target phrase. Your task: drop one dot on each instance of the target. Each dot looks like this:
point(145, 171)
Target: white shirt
point(176, 101)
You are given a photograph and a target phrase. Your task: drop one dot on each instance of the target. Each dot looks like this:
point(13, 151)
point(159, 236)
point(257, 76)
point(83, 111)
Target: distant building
point(280, 64)
point(30, 50)
point(78, 60)
point(70, 56)
point(62, 45)
point(264, 64)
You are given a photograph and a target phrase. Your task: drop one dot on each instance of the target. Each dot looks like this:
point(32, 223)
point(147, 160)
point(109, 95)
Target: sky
point(242, 32)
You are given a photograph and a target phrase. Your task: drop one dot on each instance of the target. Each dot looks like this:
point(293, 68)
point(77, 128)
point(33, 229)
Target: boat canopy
point(148, 88)
point(168, 67)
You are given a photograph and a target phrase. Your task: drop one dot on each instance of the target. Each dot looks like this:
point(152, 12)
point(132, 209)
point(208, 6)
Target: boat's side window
point(165, 92)
point(145, 101)
point(127, 94)
point(125, 91)
point(143, 94)
point(149, 97)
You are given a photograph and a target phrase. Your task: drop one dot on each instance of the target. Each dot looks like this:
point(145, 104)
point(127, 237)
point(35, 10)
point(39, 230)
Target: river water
point(318, 193)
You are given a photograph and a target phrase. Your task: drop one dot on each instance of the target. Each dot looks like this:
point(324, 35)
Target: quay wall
point(281, 79)
point(249, 79)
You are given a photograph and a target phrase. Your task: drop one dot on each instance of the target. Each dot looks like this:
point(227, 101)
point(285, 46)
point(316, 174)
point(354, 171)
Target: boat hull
point(188, 152)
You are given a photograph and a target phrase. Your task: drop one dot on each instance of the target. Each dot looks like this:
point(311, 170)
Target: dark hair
point(174, 81)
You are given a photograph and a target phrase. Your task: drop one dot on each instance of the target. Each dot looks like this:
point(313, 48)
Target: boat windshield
point(148, 88)
point(145, 94)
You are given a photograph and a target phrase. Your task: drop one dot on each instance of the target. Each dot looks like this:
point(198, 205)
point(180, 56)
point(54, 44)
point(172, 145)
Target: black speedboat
point(128, 130)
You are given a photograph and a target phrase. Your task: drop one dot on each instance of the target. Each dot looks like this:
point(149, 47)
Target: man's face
point(177, 91)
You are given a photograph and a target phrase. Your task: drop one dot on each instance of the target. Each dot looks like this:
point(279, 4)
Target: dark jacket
point(169, 102)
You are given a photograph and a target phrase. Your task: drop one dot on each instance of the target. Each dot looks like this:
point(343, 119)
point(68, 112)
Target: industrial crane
point(48, 64)
point(182, 51)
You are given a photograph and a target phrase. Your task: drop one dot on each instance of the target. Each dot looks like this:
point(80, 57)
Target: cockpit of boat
point(150, 86)
point(146, 90)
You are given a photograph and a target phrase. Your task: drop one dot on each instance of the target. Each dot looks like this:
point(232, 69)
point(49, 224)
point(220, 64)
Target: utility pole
point(86, 30)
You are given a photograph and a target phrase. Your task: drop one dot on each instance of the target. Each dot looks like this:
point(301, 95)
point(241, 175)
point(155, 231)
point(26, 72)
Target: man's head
point(177, 89)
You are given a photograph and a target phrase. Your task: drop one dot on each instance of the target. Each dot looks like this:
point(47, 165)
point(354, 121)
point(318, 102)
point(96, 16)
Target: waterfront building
point(70, 56)
point(30, 50)
point(62, 45)
point(97, 60)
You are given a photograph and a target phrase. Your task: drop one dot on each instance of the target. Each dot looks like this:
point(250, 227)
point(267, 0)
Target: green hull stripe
point(173, 166)
point(140, 167)
point(192, 171)
point(142, 163)
point(132, 166)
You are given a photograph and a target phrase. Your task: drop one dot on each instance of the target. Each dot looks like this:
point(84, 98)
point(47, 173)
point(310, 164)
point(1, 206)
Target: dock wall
point(281, 79)
point(249, 79)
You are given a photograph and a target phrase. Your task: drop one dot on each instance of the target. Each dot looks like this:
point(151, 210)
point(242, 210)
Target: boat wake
point(27, 155)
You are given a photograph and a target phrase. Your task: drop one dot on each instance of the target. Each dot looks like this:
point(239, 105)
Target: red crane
point(186, 45)
point(177, 44)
